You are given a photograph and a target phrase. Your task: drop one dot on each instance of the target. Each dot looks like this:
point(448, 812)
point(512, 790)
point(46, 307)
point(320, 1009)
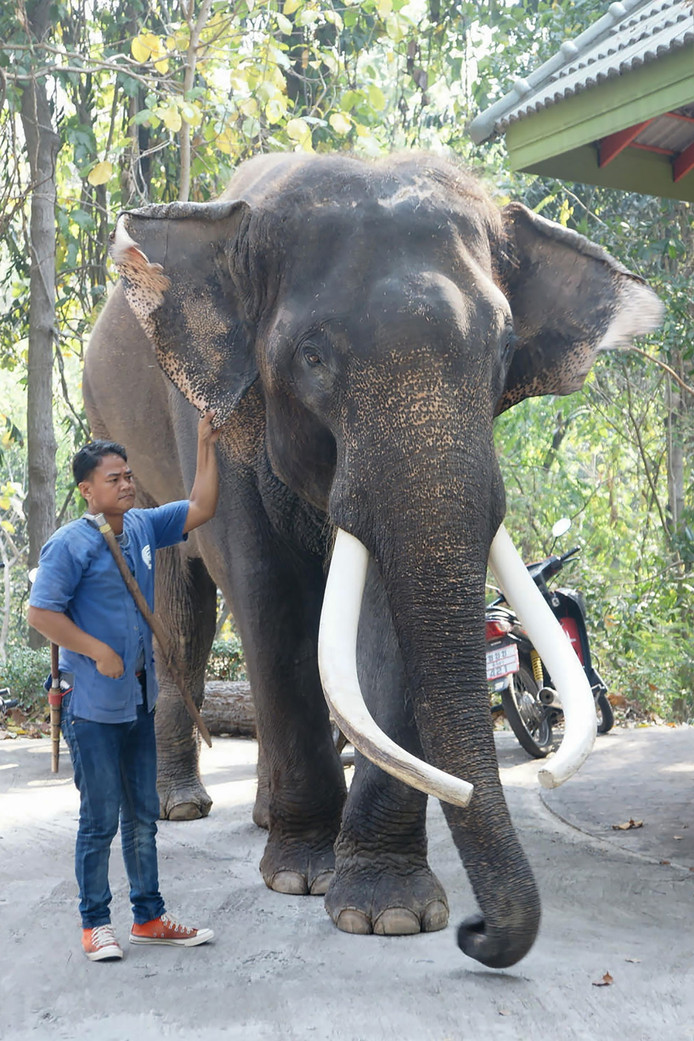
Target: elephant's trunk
point(443, 647)
point(437, 599)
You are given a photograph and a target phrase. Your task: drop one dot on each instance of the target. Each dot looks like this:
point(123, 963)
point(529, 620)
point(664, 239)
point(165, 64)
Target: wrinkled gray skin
point(357, 327)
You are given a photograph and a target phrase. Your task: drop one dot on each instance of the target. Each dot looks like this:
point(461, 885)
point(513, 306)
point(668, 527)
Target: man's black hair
point(89, 457)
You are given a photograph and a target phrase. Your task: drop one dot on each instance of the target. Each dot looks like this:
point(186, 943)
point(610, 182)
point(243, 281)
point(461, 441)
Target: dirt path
point(278, 969)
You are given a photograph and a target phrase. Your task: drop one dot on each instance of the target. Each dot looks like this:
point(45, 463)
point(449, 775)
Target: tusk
point(557, 654)
point(337, 661)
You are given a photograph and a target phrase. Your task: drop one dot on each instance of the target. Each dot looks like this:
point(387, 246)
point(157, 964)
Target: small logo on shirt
point(147, 556)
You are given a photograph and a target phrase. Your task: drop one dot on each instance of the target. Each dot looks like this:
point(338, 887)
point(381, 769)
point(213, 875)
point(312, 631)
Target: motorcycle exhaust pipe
point(548, 696)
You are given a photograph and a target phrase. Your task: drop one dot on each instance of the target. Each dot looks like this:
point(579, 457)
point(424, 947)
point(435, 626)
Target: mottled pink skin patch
point(145, 286)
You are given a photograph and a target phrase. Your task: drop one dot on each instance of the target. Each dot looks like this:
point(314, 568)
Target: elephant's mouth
point(337, 647)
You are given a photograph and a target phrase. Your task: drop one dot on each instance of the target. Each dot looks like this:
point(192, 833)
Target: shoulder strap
point(107, 531)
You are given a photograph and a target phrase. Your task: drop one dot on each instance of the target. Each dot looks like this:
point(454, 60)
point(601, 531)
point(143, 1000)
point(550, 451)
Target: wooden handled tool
point(154, 624)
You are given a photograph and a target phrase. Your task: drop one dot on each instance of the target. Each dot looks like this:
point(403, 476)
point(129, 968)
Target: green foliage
point(649, 640)
point(579, 457)
point(24, 671)
point(226, 661)
point(10, 434)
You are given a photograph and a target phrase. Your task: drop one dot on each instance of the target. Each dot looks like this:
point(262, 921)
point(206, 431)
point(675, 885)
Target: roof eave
point(486, 124)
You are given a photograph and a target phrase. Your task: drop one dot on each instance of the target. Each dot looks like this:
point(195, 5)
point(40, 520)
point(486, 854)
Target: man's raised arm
point(205, 490)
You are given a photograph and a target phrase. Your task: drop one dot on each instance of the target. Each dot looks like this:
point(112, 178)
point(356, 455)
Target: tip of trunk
point(495, 948)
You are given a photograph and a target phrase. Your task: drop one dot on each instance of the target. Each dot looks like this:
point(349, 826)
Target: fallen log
point(228, 708)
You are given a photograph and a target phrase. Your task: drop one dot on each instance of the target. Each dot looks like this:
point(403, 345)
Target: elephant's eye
point(311, 356)
point(510, 345)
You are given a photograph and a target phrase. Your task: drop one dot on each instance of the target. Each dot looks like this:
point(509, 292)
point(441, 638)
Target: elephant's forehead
point(413, 219)
point(415, 194)
point(464, 297)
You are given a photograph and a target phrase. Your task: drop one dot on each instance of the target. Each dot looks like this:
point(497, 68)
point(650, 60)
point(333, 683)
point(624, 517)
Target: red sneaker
point(100, 943)
point(166, 930)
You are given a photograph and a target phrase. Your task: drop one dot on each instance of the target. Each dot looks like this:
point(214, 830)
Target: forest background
point(109, 105)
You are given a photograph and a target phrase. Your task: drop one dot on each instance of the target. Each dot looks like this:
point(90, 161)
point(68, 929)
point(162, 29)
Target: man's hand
point(203, 495)
point(109, 663)
point(206, 432)
point(63, 631)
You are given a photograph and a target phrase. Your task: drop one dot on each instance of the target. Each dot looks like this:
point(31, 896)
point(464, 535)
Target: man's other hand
point(109, 663)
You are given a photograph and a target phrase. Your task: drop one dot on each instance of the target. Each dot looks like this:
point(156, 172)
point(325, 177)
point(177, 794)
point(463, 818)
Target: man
point(79, 601)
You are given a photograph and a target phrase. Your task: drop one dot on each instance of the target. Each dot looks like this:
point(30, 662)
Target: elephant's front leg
point(277, 608)
point(383, 883)
point(186, 599)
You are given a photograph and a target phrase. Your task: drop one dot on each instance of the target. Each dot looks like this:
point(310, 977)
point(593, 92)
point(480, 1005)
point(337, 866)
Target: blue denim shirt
point(78, 576)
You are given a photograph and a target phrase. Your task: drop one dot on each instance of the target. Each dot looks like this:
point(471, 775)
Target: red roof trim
point(683, 164)
point(613, 144)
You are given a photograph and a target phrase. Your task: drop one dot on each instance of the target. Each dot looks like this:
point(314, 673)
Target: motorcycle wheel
point(529, 719)
point(342, 745)
point(605, 714)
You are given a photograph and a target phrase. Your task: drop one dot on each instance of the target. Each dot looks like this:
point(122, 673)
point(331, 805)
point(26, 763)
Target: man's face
point(110, 488)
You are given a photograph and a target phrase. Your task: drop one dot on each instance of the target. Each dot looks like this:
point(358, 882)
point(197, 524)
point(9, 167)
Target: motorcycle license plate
point(501, 660)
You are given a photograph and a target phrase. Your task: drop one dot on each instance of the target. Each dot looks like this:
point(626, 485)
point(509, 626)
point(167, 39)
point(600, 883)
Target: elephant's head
point(388, 312)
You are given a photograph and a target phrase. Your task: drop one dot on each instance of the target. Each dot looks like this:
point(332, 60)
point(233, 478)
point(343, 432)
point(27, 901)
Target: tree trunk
point(195, 25)
point(43, 144)
point(228, 708)
point(675, 456)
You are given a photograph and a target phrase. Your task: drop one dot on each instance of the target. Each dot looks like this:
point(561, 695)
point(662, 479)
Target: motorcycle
point(514, 668)
point(6, 702)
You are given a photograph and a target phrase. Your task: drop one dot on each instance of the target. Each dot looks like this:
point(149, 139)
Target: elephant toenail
point(289, 882)
point(187, 811)
point(352, 921)
point(435, 917)
point(397, 921)
point(319, 886)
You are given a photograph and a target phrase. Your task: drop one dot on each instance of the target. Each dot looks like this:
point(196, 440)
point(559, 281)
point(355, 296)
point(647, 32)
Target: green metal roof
point(614, 107)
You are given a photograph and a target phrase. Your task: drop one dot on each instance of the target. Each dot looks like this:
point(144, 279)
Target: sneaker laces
point(103, 936)
point(176, 926)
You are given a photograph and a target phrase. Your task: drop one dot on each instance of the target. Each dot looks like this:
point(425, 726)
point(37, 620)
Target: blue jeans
point(115, 767)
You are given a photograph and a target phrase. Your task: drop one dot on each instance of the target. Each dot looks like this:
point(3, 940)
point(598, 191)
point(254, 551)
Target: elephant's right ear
point(174, 263)
point(570, 300)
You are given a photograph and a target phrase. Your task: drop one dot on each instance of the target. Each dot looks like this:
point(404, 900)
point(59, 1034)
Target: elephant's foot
point(298, 869)
point(388, 902)
point(183, 800)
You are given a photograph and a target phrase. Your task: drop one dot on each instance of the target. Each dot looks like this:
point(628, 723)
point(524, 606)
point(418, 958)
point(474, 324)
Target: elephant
point(356, 325)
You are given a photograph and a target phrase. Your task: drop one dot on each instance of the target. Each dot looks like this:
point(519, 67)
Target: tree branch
point(66, 393)
point(657, 361)
point(644, 459)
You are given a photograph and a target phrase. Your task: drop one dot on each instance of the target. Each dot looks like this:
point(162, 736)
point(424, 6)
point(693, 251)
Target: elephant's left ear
point(175, 266)
point(570, 299)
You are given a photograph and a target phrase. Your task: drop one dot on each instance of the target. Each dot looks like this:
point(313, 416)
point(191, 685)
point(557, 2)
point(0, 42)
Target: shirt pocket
point(106, 696)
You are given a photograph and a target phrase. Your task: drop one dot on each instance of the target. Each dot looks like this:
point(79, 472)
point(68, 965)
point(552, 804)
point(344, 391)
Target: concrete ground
point(617, 902)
